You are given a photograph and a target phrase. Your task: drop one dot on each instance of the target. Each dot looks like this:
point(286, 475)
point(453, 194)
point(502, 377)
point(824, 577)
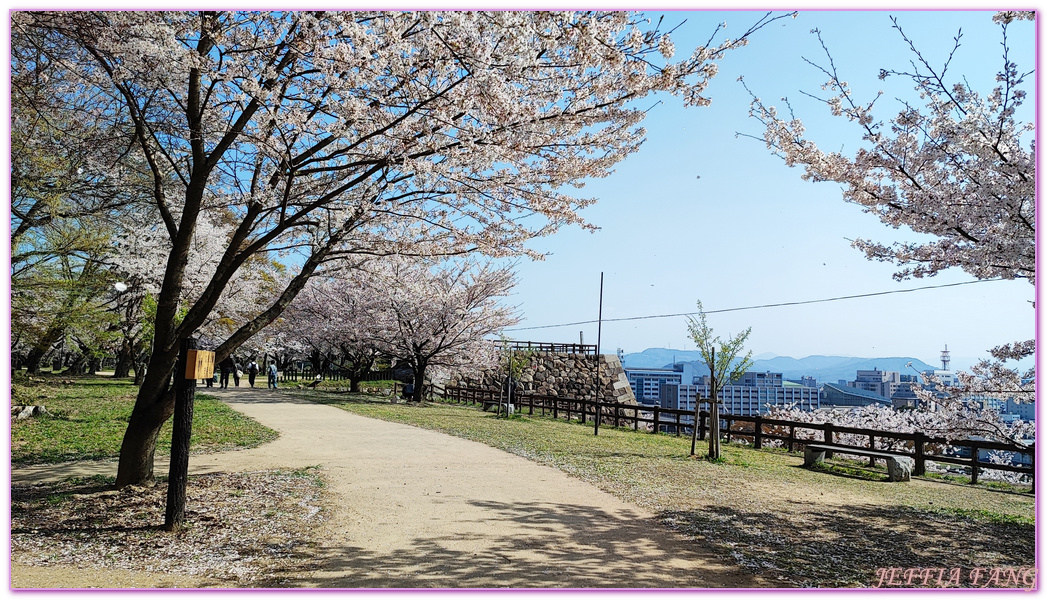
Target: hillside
point(826, 369)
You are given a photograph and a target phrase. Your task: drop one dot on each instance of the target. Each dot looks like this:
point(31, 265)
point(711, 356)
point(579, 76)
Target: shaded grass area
point(759, 509)
point(254, 529)
point(89, 415)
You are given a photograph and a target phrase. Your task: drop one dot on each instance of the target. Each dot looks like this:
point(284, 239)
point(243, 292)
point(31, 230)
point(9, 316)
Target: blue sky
point(699, 213)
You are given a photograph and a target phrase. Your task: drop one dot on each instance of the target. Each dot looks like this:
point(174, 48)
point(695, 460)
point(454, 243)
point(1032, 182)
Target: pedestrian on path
point(272, 375)
point(252, 371)
point(226, 365)
point(236, 373)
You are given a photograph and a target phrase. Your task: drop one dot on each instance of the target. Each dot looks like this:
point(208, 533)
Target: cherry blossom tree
point(961, 168)
point(338, 315)
point(441, 317)
point(330, 134)
point(61, 200)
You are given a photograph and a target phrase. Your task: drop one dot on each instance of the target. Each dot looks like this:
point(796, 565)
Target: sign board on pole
point(199, 364)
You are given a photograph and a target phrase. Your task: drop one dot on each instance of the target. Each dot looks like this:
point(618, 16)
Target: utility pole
point(599, 326)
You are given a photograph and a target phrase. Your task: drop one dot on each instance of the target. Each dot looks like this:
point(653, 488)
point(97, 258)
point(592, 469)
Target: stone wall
point(564, 375)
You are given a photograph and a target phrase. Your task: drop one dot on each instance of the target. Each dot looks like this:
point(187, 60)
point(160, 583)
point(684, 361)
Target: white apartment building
point(646, 383)
point(884, 383)
point(754, 393)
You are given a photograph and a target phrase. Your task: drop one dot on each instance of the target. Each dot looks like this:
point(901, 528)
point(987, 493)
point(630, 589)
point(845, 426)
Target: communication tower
point(945, 358)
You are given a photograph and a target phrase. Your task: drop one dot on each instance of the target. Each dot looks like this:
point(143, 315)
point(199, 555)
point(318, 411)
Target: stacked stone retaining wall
point(563, 375)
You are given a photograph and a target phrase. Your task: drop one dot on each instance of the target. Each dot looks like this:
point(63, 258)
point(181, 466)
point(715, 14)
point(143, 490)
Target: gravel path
point(413, 508)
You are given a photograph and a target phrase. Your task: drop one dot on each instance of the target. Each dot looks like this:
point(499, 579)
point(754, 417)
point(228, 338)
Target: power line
point(777, 305)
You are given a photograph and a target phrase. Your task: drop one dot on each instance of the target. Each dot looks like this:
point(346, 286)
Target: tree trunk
point(354, 383)
point(419, 382)
point(154, 405)
point(140, 368)
point(124, 360)
point(41, 348)
point(714, 429)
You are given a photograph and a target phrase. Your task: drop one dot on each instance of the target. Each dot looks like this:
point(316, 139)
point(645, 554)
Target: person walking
point(226, 365)
point(272, 375)
point(236, 373)
point(252, 371)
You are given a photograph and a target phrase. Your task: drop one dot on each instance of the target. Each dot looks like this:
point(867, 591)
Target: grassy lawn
point(88, 417)
point(830, 528)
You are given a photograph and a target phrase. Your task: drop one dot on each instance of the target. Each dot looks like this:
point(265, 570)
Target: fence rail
point(553, 347)
point(756, 429)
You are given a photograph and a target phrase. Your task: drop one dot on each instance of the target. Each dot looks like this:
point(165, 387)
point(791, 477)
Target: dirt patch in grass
point(242, 530)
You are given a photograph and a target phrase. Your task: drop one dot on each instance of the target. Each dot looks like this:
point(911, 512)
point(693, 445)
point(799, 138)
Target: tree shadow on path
point(560, 546)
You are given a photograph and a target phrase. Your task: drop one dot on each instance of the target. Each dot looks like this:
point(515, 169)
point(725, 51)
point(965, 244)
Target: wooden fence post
point(974, 463)
point(178, 473)
point(657, 418)
point(758, 433)
point(918, 450)
point(792, 437)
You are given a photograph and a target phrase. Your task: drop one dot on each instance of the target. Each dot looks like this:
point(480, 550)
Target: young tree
point(340, 133)
point(725, 365)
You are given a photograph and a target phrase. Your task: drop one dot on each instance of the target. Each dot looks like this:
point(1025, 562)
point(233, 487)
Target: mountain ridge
point(826, 369)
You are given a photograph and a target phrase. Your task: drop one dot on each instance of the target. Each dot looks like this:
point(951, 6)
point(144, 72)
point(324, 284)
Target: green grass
point(89, 415)
point(760, 509)
point(646, 463)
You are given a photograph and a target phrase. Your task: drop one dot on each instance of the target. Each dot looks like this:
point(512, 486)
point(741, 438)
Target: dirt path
point(415, 508)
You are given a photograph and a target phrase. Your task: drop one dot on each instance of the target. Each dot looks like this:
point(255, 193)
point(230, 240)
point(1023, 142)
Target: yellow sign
point(199, 364)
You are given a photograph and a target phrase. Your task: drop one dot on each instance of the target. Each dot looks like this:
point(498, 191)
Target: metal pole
point(599, 325)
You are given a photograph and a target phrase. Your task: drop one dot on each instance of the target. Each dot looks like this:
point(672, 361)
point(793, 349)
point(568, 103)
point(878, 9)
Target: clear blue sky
point(699, 213)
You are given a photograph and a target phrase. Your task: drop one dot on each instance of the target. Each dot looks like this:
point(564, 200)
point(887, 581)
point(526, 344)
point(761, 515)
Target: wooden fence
point(757, 429)
point(551, 347)
point(305, 374)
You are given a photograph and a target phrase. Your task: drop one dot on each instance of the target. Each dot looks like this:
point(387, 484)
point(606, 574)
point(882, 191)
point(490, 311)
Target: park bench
point(509, 408)
point(899, 467)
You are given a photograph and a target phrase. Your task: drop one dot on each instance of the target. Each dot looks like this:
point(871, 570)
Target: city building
point(841, 395)
point(754, 393)
point(646, 382)
point(882, 383)
point(805, 381)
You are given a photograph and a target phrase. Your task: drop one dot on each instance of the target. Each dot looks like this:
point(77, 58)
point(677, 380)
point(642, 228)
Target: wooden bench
point(899, 467)
point(509, 408)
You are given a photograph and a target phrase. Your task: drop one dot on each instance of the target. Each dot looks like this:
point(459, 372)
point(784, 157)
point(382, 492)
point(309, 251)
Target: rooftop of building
point(856, 392)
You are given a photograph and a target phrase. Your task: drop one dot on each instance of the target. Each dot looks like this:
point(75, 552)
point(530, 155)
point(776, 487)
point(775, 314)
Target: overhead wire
point(758, 306)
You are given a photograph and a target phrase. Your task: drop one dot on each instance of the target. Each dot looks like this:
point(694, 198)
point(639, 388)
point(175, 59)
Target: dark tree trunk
point(140, 367)
point(41, 348)
point(155, 404)
point(124, 360)
point(419, 381)
point(178, 476)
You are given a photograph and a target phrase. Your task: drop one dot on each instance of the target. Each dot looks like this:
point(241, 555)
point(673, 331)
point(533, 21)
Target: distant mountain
point(826, 369)
point(656, 358)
